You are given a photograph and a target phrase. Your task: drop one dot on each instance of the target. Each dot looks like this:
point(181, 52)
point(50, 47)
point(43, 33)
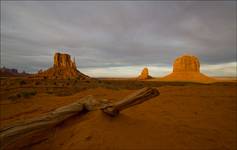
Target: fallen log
point(13, 132)
point(136, 98)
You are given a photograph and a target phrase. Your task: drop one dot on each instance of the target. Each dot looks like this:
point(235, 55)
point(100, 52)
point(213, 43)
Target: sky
point(119, 38)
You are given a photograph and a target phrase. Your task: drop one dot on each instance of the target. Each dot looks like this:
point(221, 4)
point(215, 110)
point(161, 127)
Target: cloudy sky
point(119, 38)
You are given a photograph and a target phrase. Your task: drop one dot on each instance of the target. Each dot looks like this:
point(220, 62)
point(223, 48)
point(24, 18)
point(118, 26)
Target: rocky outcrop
point(6, 72)
point(144, 74)
point(187, 68)
point(63, 61)
point(63, 68)
point(186, 63)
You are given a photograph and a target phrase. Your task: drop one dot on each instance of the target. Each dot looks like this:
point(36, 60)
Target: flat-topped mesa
point(186, 63)
point(186, 68)
point(144, 74)
point(63, 60)
point(63, 68)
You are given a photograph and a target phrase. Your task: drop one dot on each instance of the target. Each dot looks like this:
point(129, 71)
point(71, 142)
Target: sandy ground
point(182, 117)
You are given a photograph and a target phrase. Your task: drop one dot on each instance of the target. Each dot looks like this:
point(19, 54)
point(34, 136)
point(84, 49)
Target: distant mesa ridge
point(187, 68)
point(6, 72)
point(63, 68)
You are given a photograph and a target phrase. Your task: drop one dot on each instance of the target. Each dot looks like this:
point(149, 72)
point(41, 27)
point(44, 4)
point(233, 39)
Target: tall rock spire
point(144, 74)
point(74, 62)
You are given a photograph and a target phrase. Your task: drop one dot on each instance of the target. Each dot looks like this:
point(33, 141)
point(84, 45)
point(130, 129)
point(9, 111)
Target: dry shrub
point(22, 82)
point(23, 94)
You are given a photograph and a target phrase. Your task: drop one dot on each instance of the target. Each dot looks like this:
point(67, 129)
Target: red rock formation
point(187, 68)
point(186, 63)
point(63, 68)
point(144, 74)
point(63, 61)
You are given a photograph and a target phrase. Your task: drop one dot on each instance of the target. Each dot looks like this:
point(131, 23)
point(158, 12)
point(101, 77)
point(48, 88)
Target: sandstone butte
point(63, 68)
point(144, 74)
point(187, 68)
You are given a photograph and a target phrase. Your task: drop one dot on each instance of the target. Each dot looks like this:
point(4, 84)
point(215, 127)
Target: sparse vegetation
point(37, 83)
point(27, 94)
point(23, 94)
point(14, 97)
point(22, 82)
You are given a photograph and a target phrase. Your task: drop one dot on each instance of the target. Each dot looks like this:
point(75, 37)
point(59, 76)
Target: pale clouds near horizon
point(226, 69)
point(119, 38)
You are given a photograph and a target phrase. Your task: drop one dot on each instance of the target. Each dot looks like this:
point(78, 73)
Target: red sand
point(182, 117)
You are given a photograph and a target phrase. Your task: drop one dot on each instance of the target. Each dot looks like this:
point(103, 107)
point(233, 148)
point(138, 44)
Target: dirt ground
point(184, 116)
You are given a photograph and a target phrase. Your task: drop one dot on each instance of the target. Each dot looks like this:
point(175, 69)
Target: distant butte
point(63, 68)
point(6, 72)
point(144, 74)
point(187, 68)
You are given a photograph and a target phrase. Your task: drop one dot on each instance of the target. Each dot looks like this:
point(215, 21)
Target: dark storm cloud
point(113, 34)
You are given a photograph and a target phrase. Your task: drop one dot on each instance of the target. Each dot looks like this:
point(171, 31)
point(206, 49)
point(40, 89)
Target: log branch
point(15, 131)
point(133, 99)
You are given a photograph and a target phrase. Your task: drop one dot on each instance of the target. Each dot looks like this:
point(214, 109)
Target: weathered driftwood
point(14, 131)
point(133, 99)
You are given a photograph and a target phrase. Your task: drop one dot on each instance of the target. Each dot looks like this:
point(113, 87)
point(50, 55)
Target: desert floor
point(184, 116)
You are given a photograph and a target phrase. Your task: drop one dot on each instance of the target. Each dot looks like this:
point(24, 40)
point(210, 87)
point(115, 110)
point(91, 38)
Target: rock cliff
point(63, 68)
point(144, 74)
point(63, 61)
point(187, 68)
point(186, 63)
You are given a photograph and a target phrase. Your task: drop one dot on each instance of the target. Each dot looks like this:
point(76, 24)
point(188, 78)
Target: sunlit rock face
point(63, 60)
point(186, 68)
point(63, 68)
point(186, 63)
point(144, 74)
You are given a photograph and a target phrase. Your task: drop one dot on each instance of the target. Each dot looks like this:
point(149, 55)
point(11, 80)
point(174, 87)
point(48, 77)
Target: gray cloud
point(116, 34)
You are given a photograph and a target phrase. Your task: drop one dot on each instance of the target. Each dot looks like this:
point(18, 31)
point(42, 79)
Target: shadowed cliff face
point(63, 68)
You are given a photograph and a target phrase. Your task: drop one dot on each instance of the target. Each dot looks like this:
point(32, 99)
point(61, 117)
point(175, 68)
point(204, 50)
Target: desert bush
point(24, 94)
point(22, 82)
point(37, 83)
point(27, 94)
point(14, 97)
point(49, 92)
